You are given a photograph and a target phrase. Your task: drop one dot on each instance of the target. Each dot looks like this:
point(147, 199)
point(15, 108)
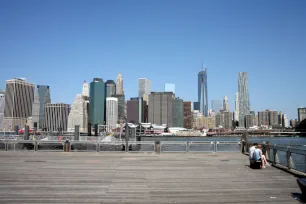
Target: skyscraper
point(42, 96)
point(216, 105)
point(56, 116)
point(263, 118)
point(97, 102)
point(144, 88)
point(225, 104)
point(237, 107)
point(243, 97)
point(301, 114)
point(220, 120)
point(202, 92)
point(111, 113)
point(78, 114)
point(2, 102)
point(160, 108)
point(177, 113)
point(19, 97)
point(121, 106)
point(119, 85)
point(170, 88)
point(273, 119)
point(137, 110)
point(187, 115)
point(228, 121)
point(110, 87)
point(85, 91)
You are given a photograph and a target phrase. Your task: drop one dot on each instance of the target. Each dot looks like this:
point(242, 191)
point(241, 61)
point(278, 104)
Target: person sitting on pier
point(258, 156)
point(263, 158)
point(251, 150)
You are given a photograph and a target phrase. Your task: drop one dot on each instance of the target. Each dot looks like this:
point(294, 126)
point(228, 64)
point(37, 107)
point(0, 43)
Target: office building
point(243, 97)
point(110, 88)
point(85, 90)
point(228, 121)
point(202, 92)
point(111, 113)
point(177, 112)
point(286, 122)
point(255, 118)
point(273, 119)
point(19, 97)
point(249, 120)
point(121, 107)
point(294, 123)
point(160, 108)
point(144, 88)
point(78, 114)
point(56, 117)
point(236, 115)
point(187, 115)
point(137, 110)
point(220, 120)
point(263, 118)
point(119, 85)
point(204, 122)
point(216, 106)
point(170, 88)
point(301, 114)
point(281, 119)
point(97, 102)
point(225, 104)
point(2, 102)
point(42, 96)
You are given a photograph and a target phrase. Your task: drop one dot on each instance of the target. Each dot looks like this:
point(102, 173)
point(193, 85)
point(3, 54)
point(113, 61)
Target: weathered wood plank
point(42, 177)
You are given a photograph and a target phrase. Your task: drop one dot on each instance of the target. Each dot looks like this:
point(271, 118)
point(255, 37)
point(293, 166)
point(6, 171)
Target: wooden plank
point(53, 177)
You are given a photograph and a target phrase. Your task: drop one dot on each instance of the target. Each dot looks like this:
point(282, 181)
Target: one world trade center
point(202, 92)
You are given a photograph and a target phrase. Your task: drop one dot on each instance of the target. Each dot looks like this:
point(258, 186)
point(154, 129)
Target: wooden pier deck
point(41, 177)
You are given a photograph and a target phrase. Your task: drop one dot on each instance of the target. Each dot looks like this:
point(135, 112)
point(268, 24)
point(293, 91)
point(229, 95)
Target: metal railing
point(119, 146)
point(290, 158)
point(200, 146)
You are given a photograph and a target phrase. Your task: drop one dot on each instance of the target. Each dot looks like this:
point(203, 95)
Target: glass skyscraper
point(42, 97)
point(110, 87)
point(243, 97)
point(202, 92)
point(97, 102)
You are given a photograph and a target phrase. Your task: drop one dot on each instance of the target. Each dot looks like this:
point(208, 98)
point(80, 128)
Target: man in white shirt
point(251, 151)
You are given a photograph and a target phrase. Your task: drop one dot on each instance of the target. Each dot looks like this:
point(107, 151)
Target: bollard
point(67, 146)
point(89, 129)
point(157, 147)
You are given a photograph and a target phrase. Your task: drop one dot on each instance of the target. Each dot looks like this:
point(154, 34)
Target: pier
point(120, 177)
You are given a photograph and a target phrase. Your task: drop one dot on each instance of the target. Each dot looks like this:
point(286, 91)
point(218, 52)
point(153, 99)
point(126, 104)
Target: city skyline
point(262, 38)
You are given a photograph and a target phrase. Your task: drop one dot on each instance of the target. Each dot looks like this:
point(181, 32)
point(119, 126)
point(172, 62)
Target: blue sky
point(62, 43)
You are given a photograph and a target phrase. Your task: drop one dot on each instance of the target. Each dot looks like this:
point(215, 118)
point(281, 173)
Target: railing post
point(216, 146)
point(288, 156)
point(274, 154)
point(187, 146)
point(35, 146)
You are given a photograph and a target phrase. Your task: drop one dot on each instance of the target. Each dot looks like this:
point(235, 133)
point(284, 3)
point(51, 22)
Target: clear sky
point(61, 43)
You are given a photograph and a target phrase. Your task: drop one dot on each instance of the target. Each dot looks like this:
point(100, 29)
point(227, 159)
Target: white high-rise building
point(243, 97)
point(225, 104)
point(56, 116)
point(119, 85)
point(237, 108)
point(286, 121)
point(144, 88)
point(111, 113)
point(78, 114)
point(19, 97)
point(2, 102)
point(85, 90)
